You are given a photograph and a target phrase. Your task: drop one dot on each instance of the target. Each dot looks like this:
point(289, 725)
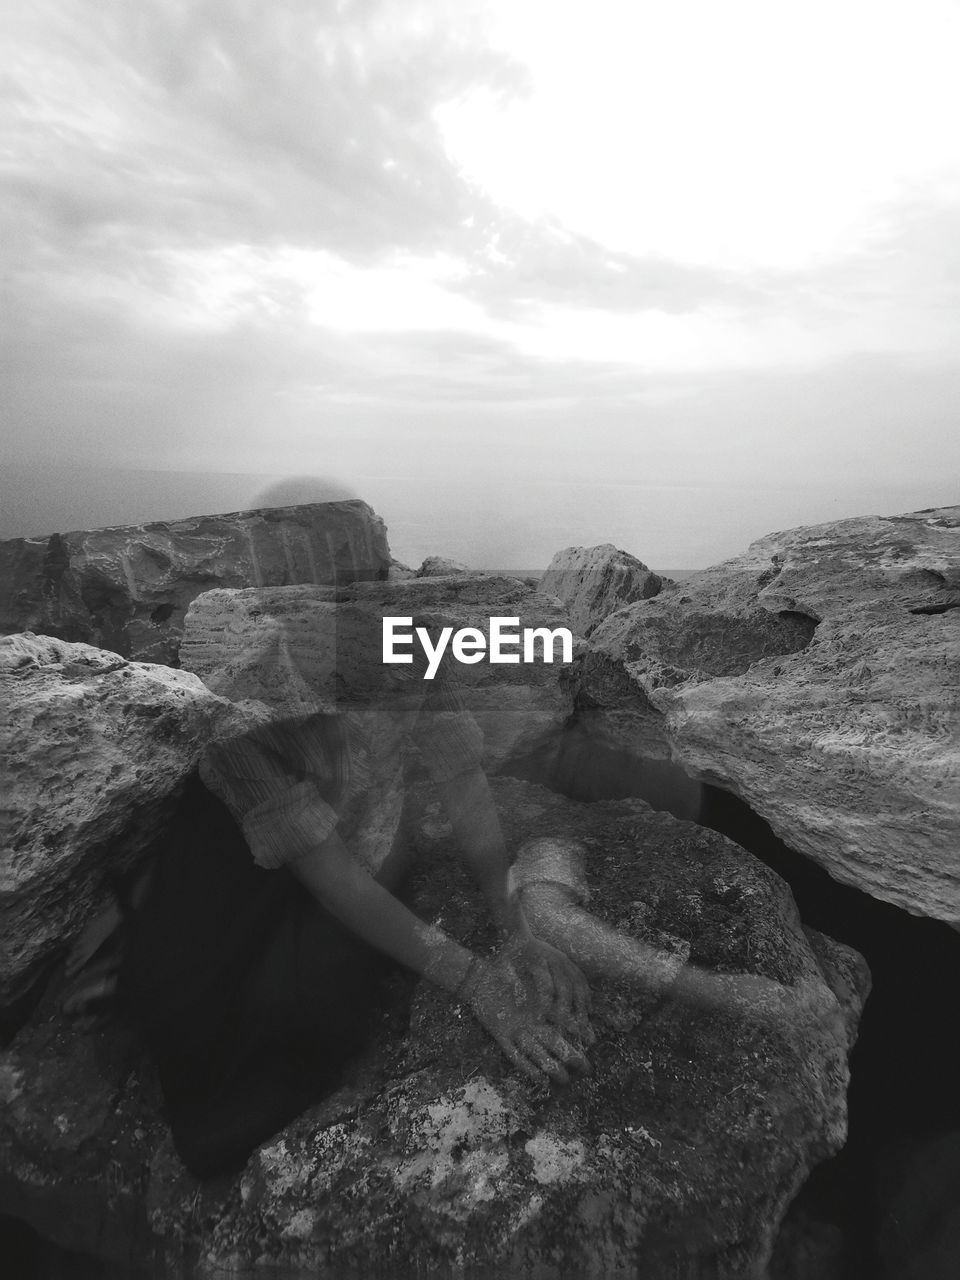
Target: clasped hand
point(535, 1003)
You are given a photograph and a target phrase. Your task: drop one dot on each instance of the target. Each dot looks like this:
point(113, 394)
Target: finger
point(515, 979)
point(544, 985)
point(521, 1062)
point(563, 1050)
point(581, 997)
point(547, 1040)
point(572, 1010)
point(585, 1033)
point(563, 1007)
point(541, 1055)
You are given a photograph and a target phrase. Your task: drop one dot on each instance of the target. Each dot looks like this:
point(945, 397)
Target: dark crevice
point(767, 576)
point(161, 613)
point(577, 766)
point(27, 1255)
point(906, 1062)
point(937, 608)
point(56, 562)
point(807, 622)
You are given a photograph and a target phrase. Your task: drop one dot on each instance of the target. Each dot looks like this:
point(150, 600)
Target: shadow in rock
point(904, 1068)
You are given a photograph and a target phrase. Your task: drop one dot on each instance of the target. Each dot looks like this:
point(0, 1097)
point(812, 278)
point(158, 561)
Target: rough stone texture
point(817, 677)
point(93, 748)
point(516, 705)
point(675, 1159)
point(440, 567)
point(596, 581)
point(127, 589)
point(399, 572)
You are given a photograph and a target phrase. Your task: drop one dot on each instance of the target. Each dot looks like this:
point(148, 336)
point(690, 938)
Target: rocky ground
point(814, 678)
point(680, 1153)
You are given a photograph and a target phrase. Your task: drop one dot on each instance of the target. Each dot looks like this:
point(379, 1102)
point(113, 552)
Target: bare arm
point(560, 986)
point(469, 806)
point(370, 911)
point(502, 1006)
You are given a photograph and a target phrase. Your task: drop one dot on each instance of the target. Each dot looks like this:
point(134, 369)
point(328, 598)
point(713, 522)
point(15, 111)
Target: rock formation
point(817, 677)
point(676, 1158)
point(93, 749)
point(596, 581)
point(127, 589)
point(517, 705)
point(441, 567)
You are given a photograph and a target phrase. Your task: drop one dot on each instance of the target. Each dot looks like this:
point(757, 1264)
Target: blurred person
point(252, 953)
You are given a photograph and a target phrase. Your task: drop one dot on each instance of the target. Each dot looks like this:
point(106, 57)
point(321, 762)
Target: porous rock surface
point(127, 589)
point(676, 1158)
point(593, 582)
point(93, 746)
point(817, 677)
point(231, 638)
point(441, 566)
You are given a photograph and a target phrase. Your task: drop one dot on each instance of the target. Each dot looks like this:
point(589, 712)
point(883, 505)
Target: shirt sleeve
point(279, 805)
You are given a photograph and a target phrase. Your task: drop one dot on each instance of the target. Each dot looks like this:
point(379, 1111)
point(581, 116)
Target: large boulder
point(231, 641)
point(441, 567)
point(596, 581)
point(93, 749)
point(817, 677)
point(127, 589)
point(676, 1158)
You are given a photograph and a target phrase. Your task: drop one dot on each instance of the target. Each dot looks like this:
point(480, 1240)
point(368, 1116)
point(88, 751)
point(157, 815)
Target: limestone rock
point(441, 566)
point(398, 571)
point(516, 705)
point(677, 1157)
point(127, 589)
point(596, 581)
point(93, 749)
point(817, 677)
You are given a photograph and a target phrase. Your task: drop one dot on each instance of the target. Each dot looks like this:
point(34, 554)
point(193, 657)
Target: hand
point(512, 1011)
point(560, 986)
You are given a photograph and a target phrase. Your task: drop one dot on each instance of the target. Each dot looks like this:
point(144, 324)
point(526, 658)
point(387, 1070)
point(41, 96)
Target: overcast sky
point(521, 273)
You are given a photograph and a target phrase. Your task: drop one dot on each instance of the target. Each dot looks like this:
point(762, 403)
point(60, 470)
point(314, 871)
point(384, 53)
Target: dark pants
point(250, 995)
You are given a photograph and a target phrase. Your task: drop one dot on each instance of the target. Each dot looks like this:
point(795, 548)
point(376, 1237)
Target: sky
point(520, 273)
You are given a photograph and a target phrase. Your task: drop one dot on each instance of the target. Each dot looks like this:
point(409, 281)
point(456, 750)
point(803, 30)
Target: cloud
point(236, 240)
point(299, 122)
point(147, 136)
point(538, 262)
